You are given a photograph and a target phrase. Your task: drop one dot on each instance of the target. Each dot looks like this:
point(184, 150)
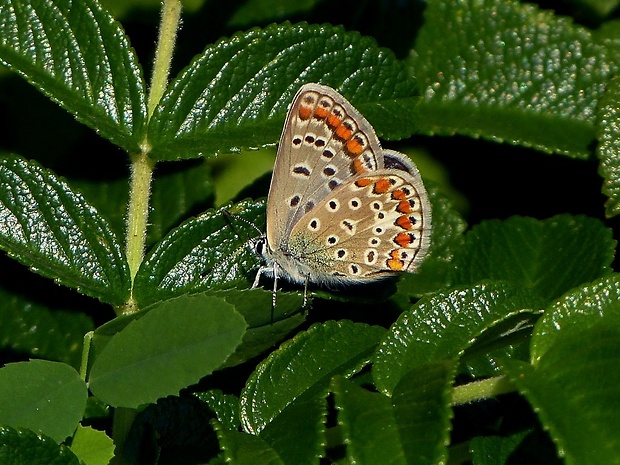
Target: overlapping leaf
point(46, 397)
point(169, 348)
point(608, 150)
point(509, 72)
point(550, 256)
point(443, 326)
point(237, 92)
point(580, 375)
point(49, 227)
point(284, 399)
point(209, 251)
point(19, 445)
point(79, 56)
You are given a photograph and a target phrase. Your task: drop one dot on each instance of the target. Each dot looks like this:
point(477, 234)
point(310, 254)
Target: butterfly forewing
point(375, 225)
point(325, 143)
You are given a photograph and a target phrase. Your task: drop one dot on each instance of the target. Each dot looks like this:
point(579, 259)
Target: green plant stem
point(481, 390)
point(142, 166)
point(170, 17)
point(138, 209)
point(88, 337)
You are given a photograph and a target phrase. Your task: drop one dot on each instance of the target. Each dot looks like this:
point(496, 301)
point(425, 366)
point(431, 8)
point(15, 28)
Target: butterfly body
point(340, 209)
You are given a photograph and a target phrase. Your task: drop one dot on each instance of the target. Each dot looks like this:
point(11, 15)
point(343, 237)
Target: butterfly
point(340, 209)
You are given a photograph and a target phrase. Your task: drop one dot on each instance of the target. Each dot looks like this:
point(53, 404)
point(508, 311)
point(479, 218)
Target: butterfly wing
point(377, 224)
point(325, 142)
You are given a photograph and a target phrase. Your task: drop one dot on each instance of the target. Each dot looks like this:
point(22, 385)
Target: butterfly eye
point(259, 245)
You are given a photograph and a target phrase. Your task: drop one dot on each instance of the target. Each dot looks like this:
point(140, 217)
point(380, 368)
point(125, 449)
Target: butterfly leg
point(275, 285)
point(260, 271)
point(306, 291)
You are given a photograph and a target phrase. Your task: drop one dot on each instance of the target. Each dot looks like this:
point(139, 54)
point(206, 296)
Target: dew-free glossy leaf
point(443, 326)
point(171, 347)
point(550, 256)
point(508, 71)
point(267, 325)
point(49, 227)
point(211, 250)
point(411, 427)
point(575, 390)
point(225, 407)
point(284, 399)
point(306, 362)
point(46, 397)
point(78, 55)
point(237, 92)
point(246, 449)
point(21, 446)
point(577, 311)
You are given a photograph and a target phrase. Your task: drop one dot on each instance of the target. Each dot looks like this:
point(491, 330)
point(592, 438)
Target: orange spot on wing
point(394, 263)
point(305, 112)
point(382, 186)
point(399, 194)
point(403, 239)
point(404, 222)
point(363, 182)
point(404, 207)
point(354, 146)
point(321, 113)
point(358, 167)
point(343, 132)
point(333, 121)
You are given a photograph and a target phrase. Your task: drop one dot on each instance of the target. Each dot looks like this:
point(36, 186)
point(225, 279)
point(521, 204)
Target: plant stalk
point(141, 165)
point(483, 389)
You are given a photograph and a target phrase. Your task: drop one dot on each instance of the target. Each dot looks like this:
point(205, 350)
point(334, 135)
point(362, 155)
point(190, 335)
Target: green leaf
point(46, 397)
point(37, 330)
point(508, 71)
point(443, 326)
point(49, 227)
point(204, 252)
point(550, 256)
point(608, 135)
point(21, 446)
point(284, 399)
point(178, 191)
point(246, 449)
point(577, 311)
point(579, 375)
point(267, 325)
point(177, 429)
point(412, 427)
point(225, 407)
point(91, 446)
point(239, 89)
point(77, 55)
point(171, 347)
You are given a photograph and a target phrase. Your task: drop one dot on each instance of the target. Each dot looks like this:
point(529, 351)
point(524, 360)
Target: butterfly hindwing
point(375, 225)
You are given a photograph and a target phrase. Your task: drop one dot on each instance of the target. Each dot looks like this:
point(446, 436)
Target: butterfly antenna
point(230, 216)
